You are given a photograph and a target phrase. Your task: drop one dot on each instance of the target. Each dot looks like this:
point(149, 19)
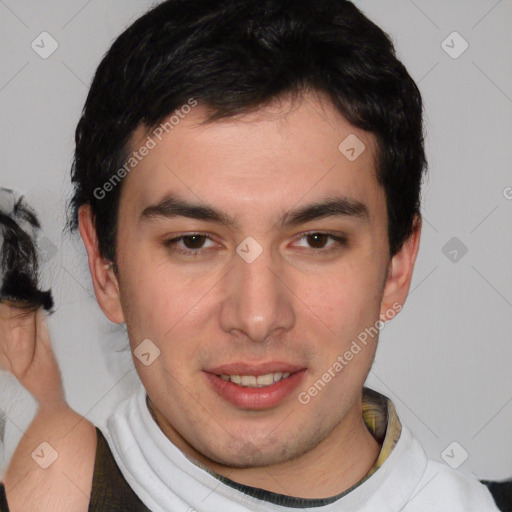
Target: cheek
point(164, 305)
point(347, 298)
point(146, 293)
point(153, 308)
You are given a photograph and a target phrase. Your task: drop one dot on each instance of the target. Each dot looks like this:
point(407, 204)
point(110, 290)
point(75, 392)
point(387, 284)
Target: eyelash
point(341, 241)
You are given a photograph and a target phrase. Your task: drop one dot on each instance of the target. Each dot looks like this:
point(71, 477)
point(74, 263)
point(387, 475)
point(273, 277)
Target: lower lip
point(256, 398)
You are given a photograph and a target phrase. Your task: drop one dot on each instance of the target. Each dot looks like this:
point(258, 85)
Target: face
point(252, 253)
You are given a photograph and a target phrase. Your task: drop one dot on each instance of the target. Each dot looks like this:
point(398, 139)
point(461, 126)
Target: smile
point(253, 381)
point(255, 387)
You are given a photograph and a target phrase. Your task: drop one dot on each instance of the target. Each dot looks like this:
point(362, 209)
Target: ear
point(106, 286)
point(399, 275)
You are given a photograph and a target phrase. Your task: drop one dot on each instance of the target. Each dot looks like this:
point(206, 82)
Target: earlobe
point(104, 280)
point(400, 273)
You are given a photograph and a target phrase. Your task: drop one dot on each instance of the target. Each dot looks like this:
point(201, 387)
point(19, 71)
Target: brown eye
point(193, 241)
point(323, 242)
point(189, 245)
point(317, 240)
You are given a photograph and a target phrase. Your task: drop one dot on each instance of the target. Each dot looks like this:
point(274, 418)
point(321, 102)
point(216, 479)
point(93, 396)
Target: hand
point(26, 352)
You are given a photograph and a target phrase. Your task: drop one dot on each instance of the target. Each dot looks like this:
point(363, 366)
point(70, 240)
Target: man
point(247, 179)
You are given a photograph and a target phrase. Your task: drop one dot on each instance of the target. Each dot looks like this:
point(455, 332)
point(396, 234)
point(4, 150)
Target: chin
point(245, 454)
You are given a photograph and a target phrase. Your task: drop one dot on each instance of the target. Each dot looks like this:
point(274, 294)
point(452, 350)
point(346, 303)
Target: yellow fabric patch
point(380, 417)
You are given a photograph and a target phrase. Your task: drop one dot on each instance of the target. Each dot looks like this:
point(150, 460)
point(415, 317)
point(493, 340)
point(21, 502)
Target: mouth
point(253, 381)
point(255, 387)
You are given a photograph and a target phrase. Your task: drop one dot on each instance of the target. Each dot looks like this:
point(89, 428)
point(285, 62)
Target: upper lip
point(254, 368)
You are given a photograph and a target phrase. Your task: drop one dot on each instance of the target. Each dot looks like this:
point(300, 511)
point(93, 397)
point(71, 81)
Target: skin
point(26, 352)
point(302, 301)
point(33, 364)
point(288, 305)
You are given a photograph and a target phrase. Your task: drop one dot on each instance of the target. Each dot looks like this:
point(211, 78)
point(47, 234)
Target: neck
point(333, 466)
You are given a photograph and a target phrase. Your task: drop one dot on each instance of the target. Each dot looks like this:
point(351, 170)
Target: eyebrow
point(171, 206)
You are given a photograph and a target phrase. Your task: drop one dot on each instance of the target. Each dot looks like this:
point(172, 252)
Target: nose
point(259, 302)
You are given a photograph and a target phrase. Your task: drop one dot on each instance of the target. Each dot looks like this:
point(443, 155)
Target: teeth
point(248, 380)
point(264, 380)
point(251, 381)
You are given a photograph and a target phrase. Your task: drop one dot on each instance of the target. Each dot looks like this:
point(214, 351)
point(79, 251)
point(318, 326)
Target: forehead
point(262, 161)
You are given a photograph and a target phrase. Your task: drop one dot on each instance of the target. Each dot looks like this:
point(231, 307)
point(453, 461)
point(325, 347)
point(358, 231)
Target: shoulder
point(430, 485)
point(457, 490)
point(52, 467)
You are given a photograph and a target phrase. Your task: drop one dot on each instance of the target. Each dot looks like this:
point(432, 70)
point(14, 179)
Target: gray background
point(445, 361)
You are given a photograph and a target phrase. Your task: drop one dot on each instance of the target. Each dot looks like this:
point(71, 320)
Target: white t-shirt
point(166, 480)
